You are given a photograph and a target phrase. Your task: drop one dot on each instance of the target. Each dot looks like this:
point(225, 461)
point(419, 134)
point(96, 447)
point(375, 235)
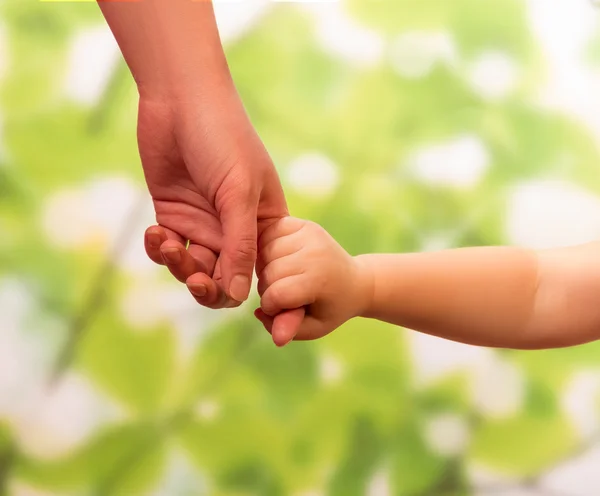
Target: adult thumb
point(238, 253)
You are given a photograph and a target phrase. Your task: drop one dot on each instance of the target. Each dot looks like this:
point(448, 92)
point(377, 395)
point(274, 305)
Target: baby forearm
point(481, 296)
point(501, 297)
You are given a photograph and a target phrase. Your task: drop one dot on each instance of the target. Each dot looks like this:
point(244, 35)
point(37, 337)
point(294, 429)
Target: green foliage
point(125, 459)
point(524, 445)
point(133, 367)
point(328, 416)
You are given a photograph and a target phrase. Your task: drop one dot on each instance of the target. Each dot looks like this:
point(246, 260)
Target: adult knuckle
point(239, 185)
point(245, 249)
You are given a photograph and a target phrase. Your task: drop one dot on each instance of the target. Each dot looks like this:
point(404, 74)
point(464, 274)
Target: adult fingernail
point(172, 255)
point(239, 288)
point(153, 240)
point(198, 290)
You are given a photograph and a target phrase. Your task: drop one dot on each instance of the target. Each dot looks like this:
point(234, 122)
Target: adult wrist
point(185, 87)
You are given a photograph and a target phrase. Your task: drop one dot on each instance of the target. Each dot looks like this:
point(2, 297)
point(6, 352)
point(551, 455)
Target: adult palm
point(214, 189)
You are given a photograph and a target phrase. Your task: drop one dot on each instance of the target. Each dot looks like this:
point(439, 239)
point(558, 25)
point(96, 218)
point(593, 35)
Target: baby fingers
point(287, 294)
point(290, 325)
point(279, 269)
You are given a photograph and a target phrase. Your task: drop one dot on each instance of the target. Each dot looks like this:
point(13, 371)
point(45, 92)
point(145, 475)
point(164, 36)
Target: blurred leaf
point(364, 451)
point(331, 414)
point(415, 470)
point(523, 445)
point(393, 16)
point(252, 477)
point(448, 394)
point(241, 436)
point(486, 24)
point(278, 368)
point(217, 359)
point(134, 367)
point(122, 460)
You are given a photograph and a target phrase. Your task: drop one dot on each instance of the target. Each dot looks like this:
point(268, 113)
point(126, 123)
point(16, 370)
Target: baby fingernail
point(172, 255)
point(153, 240)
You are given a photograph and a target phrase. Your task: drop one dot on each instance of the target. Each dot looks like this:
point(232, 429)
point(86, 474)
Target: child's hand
point(301, 266)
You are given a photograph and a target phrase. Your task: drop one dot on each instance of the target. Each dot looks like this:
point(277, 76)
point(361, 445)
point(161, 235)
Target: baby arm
point(497, 296)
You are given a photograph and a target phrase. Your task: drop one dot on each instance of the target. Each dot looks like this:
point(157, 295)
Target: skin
point(218, 199)
point(213, 184)
point(496, 296)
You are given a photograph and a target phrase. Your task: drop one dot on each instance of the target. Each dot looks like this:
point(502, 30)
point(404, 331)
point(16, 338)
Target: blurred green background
point(400, 125)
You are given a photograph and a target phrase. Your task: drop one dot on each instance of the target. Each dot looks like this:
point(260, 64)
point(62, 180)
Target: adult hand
point(213, 185)
point(211, 180)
